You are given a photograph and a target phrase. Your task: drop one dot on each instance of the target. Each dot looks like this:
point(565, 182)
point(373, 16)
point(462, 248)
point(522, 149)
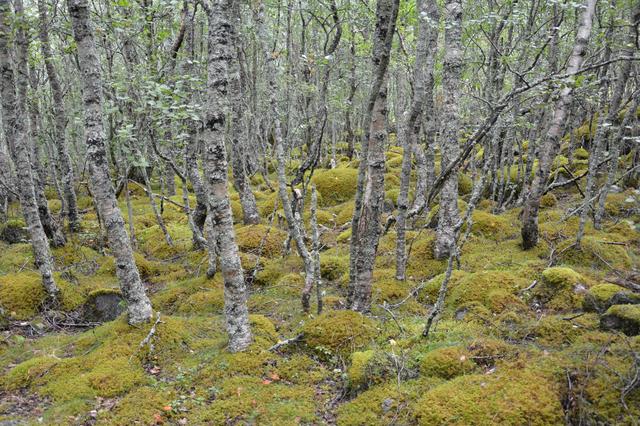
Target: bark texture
point(138, 304)
point(366, 227)
point(221, 54)
point(14, 113)
point(448, 215)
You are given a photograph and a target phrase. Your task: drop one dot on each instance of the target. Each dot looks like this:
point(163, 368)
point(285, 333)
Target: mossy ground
point(504, 351)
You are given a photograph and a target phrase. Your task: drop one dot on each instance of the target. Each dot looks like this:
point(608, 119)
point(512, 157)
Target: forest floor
point(527, 337)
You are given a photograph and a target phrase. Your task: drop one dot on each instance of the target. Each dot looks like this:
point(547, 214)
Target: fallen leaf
point(266, 382)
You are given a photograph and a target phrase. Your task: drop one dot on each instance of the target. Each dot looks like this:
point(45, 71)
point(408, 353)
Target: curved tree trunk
point(14, 111)
point(551, 144)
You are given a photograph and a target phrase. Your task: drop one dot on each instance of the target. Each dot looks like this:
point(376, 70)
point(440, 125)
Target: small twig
point(286, 342)
point(152, 332)
point(533, 284)
point(571, 318)
point(385, 306)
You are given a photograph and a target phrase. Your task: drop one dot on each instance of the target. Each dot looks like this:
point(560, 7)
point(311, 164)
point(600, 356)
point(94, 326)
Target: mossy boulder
point(548, 200)
point(447, 362)
point(507, 397)
point(602, 296)
point(103, 305)
point(22, 295)
point(561, 288)
point(625, 318)
point(336, 185)
point(267, 239)
point(332, 266)
point(14, 231)
point(340, 332)
point(493, 227)
point(369, 368)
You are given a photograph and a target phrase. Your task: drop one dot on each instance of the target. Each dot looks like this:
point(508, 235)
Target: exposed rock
point(625, 318)
point(103, 305)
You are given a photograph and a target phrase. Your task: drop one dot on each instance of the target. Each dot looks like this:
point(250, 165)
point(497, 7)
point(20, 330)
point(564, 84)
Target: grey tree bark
point(448, 215)
point(428, 17)
point(366, 227)
point(551, 144)
point(14, 112)
point(60, 122)
point(138, 304)
point(221, 54)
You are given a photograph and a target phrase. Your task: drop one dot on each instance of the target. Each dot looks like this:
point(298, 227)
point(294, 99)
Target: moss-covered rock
point(22, 295)
point(625, 318)
point(340, 332)
point(507, 397)
point(548, 200)
point(268, 239)
point(336, 185)
point(493, 227)
point(447, 362)
point(333, 267)
point(602, 296)
point(561, 288)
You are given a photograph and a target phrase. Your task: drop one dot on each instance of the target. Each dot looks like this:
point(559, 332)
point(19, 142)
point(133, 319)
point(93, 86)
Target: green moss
point(561, 288)
point(335, 185)
point(581, 154)
point(253, 237)
point(507, 397)
point(24, 374)
point(447, 363)
point(115, 377)
point(203, 302)
point(548, 200)
point(333, 267)
point(384, 404)
point(22, 295)
point(493, 227)
point(248, 400)
point(340, 332)
point(344, 236)
point(140, 406)
point(389, 289)
point(555, 331)
point(465, 184)
point(593, 250)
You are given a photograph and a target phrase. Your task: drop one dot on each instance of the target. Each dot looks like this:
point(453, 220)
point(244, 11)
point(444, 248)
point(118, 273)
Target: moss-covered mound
point(340, 332)
point(261, 238)
point(336, 185)
point(506, 397)
point(625, 318)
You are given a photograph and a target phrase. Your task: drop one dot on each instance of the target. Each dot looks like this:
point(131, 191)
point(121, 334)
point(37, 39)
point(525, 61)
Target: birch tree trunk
point(551, 144)
point(448, 215)
point(14, 113)
point(220, 56)
point(60, 120)
point(138, 304)
point(428, 17)
point(370, 188)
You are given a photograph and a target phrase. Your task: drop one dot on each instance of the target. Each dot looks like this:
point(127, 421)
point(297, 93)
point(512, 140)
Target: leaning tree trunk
point(60, 122)
point(448, 215)
point(551, 144)
point(428, 17)
point(17, 136)
point(221, 53)
point(14, 111)
point(138, 304)
point(370, 188)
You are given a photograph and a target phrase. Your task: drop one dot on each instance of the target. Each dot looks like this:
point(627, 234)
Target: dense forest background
point(319, 212)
